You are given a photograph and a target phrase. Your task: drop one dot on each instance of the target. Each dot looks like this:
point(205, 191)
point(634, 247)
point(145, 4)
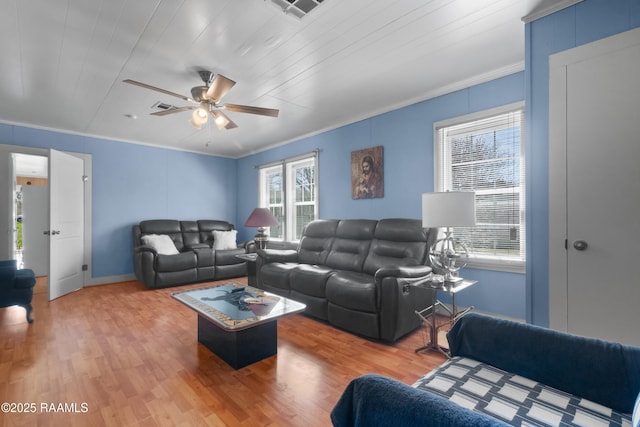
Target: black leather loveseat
point(355, 274)
point(197, 258)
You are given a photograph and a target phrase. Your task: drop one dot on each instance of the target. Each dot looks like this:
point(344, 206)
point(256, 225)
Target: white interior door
point(596, 92)
point(66, 223)
point(35, 220)
point(13, 229)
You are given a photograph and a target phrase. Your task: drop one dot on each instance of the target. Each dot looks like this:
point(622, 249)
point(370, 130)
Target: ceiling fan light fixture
point(194, 124)
point(220, 119)
point(199, 116)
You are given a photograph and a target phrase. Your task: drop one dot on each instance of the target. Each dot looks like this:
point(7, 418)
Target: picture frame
point(367, 173)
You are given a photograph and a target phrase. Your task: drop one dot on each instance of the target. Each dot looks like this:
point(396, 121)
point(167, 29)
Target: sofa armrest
point(604, 372)
point(144, 248)
point(374, 400)
point(25, 279)
point(277, 255)
point(247, 245)
point(407, 271)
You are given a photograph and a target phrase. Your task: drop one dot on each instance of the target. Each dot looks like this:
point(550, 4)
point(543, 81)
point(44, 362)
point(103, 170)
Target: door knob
point(46, 232)
point(54, 232)
point(580, 245)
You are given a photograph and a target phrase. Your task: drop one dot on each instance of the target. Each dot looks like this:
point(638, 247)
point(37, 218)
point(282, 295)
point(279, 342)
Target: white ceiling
point(63, 62)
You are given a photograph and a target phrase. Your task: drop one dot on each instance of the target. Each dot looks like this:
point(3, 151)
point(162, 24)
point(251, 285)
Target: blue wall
point(406, 135)
point(583, 23)
point(133, 182)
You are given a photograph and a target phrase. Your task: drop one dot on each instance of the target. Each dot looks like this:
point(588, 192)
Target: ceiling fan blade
point(271, 112)
point(231, 124)
point(157, 89)
point(219, 88)
point(173, 110)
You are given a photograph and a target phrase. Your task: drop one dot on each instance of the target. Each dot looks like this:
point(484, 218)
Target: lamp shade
point(449, 209)
point(261, 217)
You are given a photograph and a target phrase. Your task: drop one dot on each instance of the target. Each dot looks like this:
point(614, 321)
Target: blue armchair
point(16, 286)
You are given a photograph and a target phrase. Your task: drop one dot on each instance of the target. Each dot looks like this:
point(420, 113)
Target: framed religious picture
point(367, 173)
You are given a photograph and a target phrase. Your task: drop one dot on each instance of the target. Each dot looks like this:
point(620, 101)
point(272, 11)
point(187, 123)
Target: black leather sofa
point(196, 261)
point(355, 274)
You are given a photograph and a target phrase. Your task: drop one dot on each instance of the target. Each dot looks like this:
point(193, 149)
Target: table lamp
point(448, 209)
point(261, 218)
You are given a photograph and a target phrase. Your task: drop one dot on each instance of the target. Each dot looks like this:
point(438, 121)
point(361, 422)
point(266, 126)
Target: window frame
point(288, 202)
point(515, 264)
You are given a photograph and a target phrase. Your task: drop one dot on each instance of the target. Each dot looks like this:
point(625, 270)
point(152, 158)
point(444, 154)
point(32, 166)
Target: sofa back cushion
point(169, 227)
point(398, 242)
point(8, 270)
point(351, 244)
point(190, 233)
point(317, 239)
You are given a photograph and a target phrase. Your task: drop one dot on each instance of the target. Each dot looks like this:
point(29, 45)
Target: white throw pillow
point(224, 239)
point(161, 243)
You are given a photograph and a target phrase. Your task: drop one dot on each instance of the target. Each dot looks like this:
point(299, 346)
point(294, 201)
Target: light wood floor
point(128, 356)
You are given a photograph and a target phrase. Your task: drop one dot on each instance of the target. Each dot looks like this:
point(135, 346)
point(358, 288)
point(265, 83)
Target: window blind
point(486, 156)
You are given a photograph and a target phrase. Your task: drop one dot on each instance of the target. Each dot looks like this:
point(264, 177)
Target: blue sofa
point(591, 379)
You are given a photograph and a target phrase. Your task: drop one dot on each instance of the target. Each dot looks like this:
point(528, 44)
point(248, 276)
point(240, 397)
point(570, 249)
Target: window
point(289, 189)
point(484, 153)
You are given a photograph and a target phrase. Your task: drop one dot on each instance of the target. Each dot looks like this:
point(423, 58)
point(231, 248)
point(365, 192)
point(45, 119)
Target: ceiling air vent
point(162, 106)
point(297, 8)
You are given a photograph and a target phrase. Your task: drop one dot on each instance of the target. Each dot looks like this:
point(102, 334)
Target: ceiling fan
point(208, 100)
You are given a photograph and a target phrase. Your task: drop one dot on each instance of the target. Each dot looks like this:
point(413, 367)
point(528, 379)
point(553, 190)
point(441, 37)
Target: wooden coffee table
point(237, 322)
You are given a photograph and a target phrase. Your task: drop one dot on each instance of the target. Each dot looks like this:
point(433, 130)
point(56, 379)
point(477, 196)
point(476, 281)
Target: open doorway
point(31, 212)
point(8, 214)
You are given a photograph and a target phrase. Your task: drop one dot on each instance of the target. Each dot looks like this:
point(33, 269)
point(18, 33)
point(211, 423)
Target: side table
point(429, 314)
point(250, 258)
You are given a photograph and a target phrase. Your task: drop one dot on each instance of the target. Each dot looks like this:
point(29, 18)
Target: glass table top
point(233, 306)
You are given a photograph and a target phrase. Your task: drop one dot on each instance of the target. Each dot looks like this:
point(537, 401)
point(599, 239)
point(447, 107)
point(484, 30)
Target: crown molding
point(548, 7)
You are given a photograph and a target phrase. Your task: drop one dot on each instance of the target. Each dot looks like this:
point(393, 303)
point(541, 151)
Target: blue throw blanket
point(373, 400)
point(604, 372)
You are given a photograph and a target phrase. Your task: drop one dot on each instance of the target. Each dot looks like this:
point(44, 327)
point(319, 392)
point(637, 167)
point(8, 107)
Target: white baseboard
point(109, 279)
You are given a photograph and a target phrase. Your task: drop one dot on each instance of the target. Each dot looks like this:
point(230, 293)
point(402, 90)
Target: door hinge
point(85, 267)
point(566, 244)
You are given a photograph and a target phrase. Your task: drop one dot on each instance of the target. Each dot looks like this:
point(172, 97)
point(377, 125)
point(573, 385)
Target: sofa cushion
point(397, 242)
point(316, 241)
point(161, 243)
point(205, 257)
point(351, 244)
point(224, 239)
point(310, 279)
point(190, 234)
point(228, 256)
point(178, 262)
point(356, 291)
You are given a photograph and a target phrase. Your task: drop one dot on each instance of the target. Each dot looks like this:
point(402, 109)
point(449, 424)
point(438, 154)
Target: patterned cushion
point(514, 399)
